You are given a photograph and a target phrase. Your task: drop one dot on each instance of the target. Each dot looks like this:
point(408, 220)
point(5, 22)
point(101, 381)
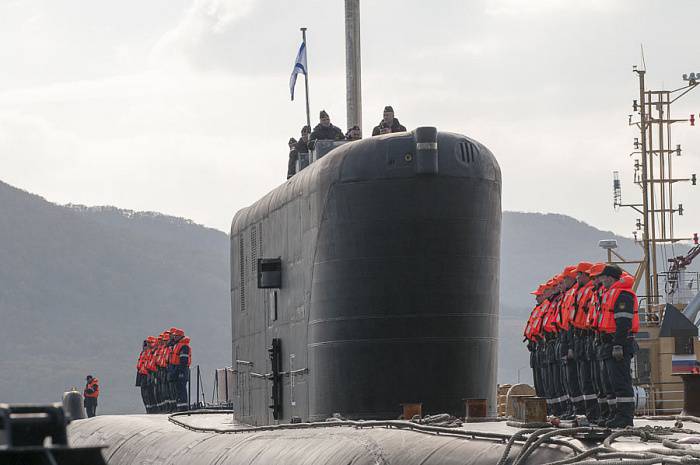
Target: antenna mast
point(353, 68)
point(654, 147)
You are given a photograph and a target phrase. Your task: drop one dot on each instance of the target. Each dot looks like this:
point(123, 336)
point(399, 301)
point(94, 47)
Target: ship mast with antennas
point(653, 165)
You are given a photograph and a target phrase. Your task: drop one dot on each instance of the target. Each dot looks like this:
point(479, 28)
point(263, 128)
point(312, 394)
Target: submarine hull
point(152, 439)
point(389, 258)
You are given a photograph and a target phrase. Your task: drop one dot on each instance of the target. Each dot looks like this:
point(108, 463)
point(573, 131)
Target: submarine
point(369, 280)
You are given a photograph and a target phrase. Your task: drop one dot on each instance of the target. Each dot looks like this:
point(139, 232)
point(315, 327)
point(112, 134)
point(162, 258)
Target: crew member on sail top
point(324, 130)
point(297, 148)
point(388, 124)
point(353, 133)
point(91, 393)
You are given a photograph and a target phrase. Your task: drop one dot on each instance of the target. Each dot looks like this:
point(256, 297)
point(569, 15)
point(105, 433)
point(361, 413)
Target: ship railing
point(320, 148)
point(664, 398)
point(680, 286)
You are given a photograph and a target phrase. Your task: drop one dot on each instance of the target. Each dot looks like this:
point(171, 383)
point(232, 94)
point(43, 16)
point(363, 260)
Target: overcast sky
point(183, 106)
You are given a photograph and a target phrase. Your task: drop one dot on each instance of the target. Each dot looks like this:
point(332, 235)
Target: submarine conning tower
point(368, 280)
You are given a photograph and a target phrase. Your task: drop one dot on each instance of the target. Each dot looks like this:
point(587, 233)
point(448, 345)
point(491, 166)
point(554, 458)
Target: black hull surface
point(152, 439)
point(389, 283)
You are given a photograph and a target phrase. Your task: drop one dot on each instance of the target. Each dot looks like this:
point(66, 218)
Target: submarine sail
point(368, 280)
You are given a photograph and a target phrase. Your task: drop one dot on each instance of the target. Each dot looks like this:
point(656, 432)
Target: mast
point(657, 182)
point(352, 64)
point(306, 77)
point(645, 174)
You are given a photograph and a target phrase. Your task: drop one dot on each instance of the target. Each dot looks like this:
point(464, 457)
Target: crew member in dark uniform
point(180, 360)
point(353, 133)
point(324, 130)
point(295, 149)
point(619, 320)
point(142, 373)
point(388, 124)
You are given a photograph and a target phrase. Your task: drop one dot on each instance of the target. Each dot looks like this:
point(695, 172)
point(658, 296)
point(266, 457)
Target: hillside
point(80, 287)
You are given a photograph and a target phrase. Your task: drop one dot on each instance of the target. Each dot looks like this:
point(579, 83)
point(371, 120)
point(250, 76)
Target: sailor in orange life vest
point(618, 321)
point(569, 286)
point(583, 336)
point(600, 379)
point(91, 392)
point(143, 378)
point(180, 360)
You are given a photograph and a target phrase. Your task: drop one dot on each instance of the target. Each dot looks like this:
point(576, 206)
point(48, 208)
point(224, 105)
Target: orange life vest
point(594, 307)
point(579, 310)
point(567, 302)
point(530, 322)
point(163, 356)
point(176, 352)
point(95, 386)
point(141, 367)
point(606, 319)
point(150, 363)
point(550, 319)
point(538, 321)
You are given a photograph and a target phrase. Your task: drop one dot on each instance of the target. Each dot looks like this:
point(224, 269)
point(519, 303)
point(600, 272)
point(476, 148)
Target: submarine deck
point(216, 438)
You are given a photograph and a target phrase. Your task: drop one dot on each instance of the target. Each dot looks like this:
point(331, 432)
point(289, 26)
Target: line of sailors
point(163, 371)
point(581, 340)
point(325, 130)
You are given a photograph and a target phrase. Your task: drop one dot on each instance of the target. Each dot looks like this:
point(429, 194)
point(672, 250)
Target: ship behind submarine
point(368, 280)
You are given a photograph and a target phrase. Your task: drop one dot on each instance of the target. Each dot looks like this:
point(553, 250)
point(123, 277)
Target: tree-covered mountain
point(80, 288)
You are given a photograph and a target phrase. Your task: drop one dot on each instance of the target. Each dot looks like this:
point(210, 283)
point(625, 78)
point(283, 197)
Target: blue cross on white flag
point(299, 67)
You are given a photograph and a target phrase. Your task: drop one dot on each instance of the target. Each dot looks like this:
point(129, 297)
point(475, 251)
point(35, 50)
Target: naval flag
point(299, 67)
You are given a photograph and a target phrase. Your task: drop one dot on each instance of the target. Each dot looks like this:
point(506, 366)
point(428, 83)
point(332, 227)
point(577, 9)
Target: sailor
point(540, 337)
point(152, 368)
point(618, 322)
point(146, 372)
point(168, 401)
point(298, 147)
point(170, 372)
point(291, 143)
point(556, 395)
point(353, 133)
point(388, 124)
point(142, 373)
point(160, 374)
point(569, 288)
point(180, 360)
point(600, 377)
point(91, 393)
point(324, 130)
point(531, 337)
point(583, 338)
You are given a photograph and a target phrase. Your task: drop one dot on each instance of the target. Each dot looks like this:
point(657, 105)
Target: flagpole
point(306, 77)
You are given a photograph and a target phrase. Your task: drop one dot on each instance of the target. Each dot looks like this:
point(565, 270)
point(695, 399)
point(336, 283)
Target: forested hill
point(80, 288)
